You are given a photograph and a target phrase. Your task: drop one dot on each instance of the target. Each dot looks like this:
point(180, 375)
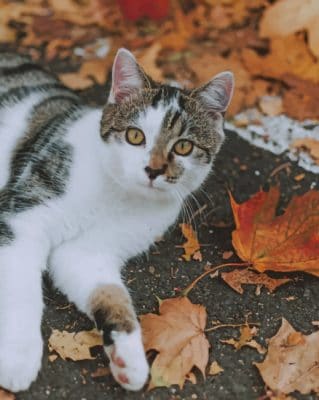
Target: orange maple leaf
point(177, 334)
point(289, 242)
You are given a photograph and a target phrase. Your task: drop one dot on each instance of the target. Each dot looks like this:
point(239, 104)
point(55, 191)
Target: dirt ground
point(242, 169)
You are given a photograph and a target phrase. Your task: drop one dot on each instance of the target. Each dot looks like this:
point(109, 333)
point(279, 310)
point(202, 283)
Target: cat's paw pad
point(19, 365)
point(127, 360)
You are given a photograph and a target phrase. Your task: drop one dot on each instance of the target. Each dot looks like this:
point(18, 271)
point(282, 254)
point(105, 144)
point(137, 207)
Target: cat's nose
point(154, 173)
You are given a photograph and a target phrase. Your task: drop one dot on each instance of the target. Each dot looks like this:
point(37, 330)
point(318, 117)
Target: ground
point(243, 169)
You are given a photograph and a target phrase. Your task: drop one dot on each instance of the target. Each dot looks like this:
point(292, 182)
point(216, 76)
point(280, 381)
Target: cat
point(84, 189)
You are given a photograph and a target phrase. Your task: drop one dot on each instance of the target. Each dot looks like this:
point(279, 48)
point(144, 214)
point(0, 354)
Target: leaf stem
point(231, 326)
point(185, 292)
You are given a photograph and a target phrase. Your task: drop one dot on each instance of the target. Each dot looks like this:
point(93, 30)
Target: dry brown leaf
point(4, 395)
point(289, 16)
point(191, 246)
point(302, 99)
point(235, 279)
point(227, 254)
point(289, 242)
point(177, 334)
point(90, 71)
point(148, 61)
point(271, 105)
point(289, 367)
point(246, 339)
point(288, 56)
point(299, 177)
point(215, 368)
point(74, 345)
point(75, 80)
point(52, 357)
point(309, 145)
point(20, 12)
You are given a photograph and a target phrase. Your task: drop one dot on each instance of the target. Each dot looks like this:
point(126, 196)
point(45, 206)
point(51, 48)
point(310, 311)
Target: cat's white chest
point(129, 226)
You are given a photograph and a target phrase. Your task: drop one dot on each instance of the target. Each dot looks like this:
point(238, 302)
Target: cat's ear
point(217, 93)
point(127, 76)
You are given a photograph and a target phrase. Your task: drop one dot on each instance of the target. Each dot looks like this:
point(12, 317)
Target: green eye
point(183, 147)
point(135, 136)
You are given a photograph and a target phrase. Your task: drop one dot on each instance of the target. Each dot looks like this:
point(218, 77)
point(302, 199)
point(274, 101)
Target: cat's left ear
point(127, 76)
point(217, 93)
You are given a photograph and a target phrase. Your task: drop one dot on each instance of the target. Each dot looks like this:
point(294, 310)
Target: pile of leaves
point(272, 47)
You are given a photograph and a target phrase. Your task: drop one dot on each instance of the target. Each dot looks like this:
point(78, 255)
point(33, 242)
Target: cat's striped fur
point(75, 195)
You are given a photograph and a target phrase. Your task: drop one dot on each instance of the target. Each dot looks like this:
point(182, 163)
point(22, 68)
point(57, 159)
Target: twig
point(231, 326)
point(208, 272)
point(279, 168)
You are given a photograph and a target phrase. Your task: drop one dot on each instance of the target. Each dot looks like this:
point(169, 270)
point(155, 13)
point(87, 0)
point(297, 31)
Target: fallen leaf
point(246, 339)
point(74, 345)
point(290, 298)
point(287, 55)
point(90, 71)
point(177, 335)
point(215, 368)
point(52, 357)
point(301, 99)
point(4, 395)
point(309, 145)
point(191, 246)
point(289, 16)
point(235, 279)
point(299, 177)
point(289, 242)
point(271, 105)
point(286, 367)
point(227, 254)
point(74, 80)
point(148, 60)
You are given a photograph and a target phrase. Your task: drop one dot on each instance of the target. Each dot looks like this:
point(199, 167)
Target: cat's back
point(32, 104)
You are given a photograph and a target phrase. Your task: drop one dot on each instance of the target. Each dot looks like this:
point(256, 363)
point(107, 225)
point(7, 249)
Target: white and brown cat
point(84, 189)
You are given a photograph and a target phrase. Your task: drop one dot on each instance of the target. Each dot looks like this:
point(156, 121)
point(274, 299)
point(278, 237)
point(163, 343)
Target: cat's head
point(162, 140)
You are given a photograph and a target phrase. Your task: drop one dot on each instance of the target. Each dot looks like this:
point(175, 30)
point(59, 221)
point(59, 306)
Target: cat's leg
point(22, 260)
point(91, 279)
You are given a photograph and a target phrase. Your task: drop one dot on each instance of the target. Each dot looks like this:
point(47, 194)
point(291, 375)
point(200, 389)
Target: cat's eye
point(183, 147)
point(135, 136)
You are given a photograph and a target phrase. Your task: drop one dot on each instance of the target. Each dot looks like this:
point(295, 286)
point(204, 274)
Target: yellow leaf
point(74, 346)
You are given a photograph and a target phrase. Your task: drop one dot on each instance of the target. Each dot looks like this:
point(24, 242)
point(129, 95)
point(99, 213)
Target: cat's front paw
point(115, 317)
point(128, 363)
point(19, 364)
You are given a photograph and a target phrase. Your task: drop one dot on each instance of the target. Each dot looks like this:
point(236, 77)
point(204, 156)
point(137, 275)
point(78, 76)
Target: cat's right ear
point(127, 76)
